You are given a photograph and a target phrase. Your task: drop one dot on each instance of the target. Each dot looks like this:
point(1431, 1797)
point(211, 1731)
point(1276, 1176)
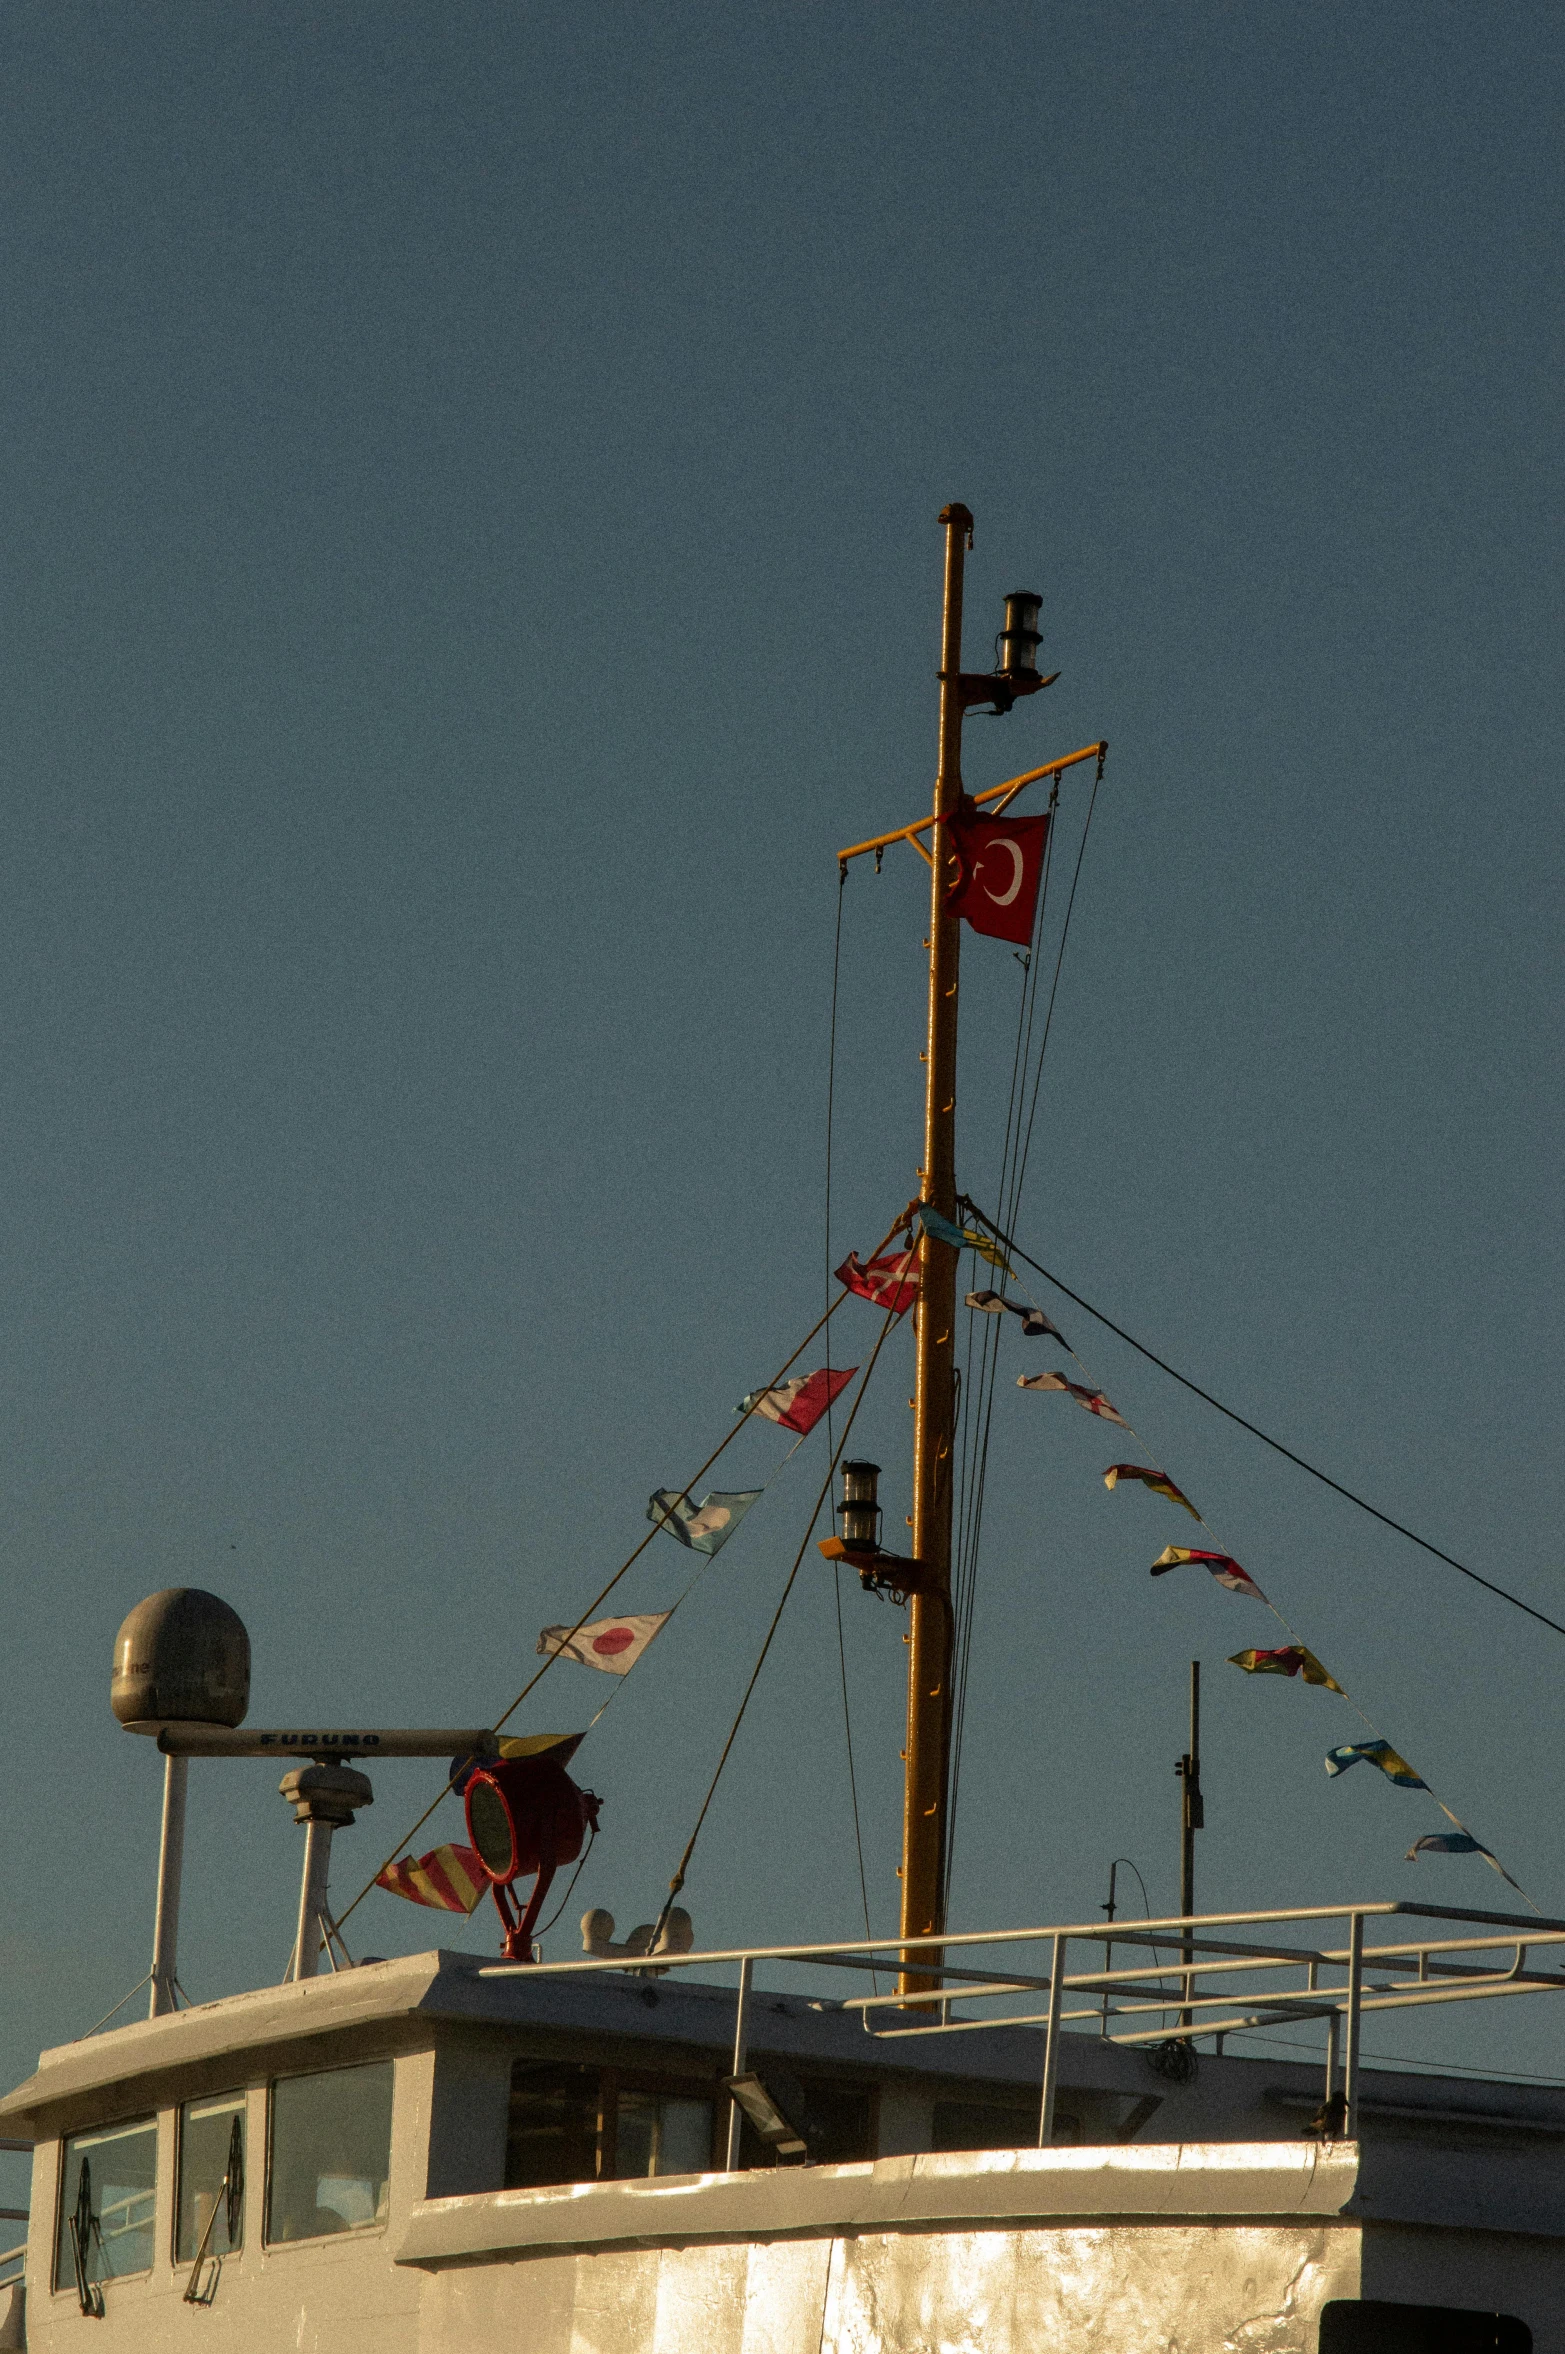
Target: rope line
point(842, 1643)
point(1048, 1019)
point(1288, 1628)
point(678, 1880)
point(607, 1590)
point(1265, 1437)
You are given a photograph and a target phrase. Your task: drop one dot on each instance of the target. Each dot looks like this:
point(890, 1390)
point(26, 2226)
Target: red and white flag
point(1222, 1566)
point(999, 861)
point(891, 1282)
point(800, 1403)
point(614, 1644)
point(1094, 1400)
point(450, 1878)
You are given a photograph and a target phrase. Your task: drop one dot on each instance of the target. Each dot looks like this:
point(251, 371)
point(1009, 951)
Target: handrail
point(1166, 1926)
point(1123, 1997)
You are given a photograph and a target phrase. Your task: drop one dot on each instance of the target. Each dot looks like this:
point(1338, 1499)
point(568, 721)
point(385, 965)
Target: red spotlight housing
point(525, 1814)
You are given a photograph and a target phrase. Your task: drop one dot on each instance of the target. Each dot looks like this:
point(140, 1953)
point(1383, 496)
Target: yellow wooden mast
point(926, 1786)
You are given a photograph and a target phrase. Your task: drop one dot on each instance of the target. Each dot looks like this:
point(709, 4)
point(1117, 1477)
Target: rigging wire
point(842, 1646)
point(678, 1881)
point(1265, 1437)
point(604, 1592)
point(1048, 1019)
point(1013, 1169)
point(1293, 1636)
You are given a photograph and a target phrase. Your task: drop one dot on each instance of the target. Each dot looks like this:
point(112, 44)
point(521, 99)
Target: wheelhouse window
point(839, 2119)
point(662, 2133)
point(555, 2125)
point(985, 2125)
point(108, 2186)
point(211, 2178)
point(573, 2122)
point(331, 2152)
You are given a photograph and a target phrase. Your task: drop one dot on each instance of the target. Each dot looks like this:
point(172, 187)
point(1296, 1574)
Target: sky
point(471, 477)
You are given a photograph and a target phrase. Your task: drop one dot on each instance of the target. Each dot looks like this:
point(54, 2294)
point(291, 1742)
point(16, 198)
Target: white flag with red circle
point(614, 1644)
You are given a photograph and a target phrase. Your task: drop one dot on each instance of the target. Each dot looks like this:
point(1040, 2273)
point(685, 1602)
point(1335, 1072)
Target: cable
point(592, 1835)
point(605, 1592)
point(976, 1427)
point(678, 1881)
point(1265, 1437)
point(1048, 1019)
point(853, 1784)
point(1292, 1632)
point(842, 1646)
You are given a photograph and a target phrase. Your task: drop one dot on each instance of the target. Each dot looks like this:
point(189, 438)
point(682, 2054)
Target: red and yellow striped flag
point(450, 1878)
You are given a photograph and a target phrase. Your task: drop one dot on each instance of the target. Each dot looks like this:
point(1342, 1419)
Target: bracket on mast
point(891, 1574)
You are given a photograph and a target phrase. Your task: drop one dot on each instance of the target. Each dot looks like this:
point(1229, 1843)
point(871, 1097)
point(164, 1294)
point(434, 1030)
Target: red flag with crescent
point(999, 861)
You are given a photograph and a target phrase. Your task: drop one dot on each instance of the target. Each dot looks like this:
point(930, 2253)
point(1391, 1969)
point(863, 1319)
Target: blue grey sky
point(471, 559)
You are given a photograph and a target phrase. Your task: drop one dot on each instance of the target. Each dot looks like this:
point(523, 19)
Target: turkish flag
point(999, 861)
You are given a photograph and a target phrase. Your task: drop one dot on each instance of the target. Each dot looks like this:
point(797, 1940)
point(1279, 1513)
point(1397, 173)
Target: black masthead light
point(1020, 638)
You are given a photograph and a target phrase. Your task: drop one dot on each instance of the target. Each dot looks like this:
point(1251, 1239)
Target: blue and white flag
point(705, 1527)
point(1461, 1843)
point(1378, 1753)
point(1035, 1323)
point(961, 1238)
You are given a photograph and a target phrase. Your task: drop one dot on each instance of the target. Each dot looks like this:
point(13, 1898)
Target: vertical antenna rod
point(1192, 1816)
point(925, 1791)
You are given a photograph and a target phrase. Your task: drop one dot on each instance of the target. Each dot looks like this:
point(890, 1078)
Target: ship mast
point(926, 1578)
point(926, 1788)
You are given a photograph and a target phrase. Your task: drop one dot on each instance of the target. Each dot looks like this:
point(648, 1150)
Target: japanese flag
point(614, 1644)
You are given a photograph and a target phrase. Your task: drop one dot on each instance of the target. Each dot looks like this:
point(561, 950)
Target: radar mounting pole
point(925, 1789)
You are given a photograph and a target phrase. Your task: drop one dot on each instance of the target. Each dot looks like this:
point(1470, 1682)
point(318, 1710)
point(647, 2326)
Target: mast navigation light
point(1021, 638)
point(880, 1572)
point(859, 1510)
point(1016, 670)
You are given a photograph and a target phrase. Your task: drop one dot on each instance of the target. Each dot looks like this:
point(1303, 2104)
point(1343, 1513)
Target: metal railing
point(1226, 1985)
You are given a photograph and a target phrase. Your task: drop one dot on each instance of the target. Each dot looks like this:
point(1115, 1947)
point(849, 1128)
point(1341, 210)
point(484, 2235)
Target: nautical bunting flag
point(800, 1403)
point(962, 1238)
point(891, 1281)
point(614, 1644)
point(1378, 1753)
point(1035, 1324)
point(1461, 1843)
point(1222, 1566)
point(999, 861)
point(1094, 1400)
point(1290, 1660)
point(706, 1527)
point(450, 1878)
point(1158, 1481)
